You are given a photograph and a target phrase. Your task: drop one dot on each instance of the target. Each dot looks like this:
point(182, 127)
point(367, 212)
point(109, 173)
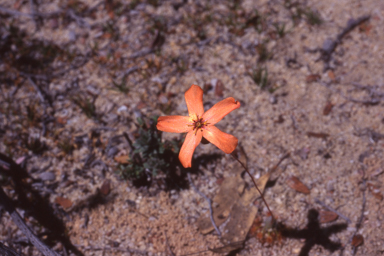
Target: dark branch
point(7, 204)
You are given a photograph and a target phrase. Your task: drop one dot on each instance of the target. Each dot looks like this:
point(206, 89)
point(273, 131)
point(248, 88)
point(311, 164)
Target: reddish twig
point(254, 183)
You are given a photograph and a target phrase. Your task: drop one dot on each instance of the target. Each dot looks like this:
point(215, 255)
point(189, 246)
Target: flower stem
point(254, 183)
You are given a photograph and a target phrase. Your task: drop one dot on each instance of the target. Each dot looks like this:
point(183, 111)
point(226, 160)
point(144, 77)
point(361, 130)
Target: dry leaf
point(231, 189)
point(109, 6)
point(331, 75)
point(242, 216)
point(312, 78)
point(229, 193)
point(124, 159)
point(232, 200)
point(219, 88)
point(17, 4)
point(375, 171)
point(365, 28)
point(357, 240)
point(243, 213)
point(320, 135)
point(64, 202)
point(105, 188)
point(141, 105)
point(219, 181)
point(327, 109)
point(374, 188)
point(327, 216)
point(279, 120)
point(294, 183)
point(106, 36)
point(302, 153)
point(61, 120)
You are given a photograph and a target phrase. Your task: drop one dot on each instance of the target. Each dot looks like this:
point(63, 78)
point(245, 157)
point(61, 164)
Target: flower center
point(199, 123)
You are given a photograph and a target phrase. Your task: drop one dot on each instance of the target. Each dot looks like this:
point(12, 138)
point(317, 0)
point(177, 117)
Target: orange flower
point(200, 124)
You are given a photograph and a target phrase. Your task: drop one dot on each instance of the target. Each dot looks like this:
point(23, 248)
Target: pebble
point(331, 186)
point(296, 250)
point(71, 36)
point(122, 109)
point(163, 99)
point(272, 99)
point(47, 176)
point(278, 201)
point(151, 218)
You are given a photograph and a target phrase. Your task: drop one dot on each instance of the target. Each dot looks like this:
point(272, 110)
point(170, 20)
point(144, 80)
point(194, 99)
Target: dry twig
point(109, 248)
point(141, 53)
point(358, 223)
point(7, 205)
point(6, 251)
point(209, 204)
point(333, 210)
point(375, 99)
point(38, 90)
point(330, 45)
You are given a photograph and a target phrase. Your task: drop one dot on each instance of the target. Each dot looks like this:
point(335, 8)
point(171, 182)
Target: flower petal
point(220, 110)
point(189, 146)
point(222, 140)
point(194, 99)
point(178, 124)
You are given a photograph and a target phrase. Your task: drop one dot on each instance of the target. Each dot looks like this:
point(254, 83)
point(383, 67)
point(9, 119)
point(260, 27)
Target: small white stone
point(122, 109)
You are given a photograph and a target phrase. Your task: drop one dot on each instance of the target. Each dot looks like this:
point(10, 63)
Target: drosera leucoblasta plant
point(149, 156)
point(200, 124)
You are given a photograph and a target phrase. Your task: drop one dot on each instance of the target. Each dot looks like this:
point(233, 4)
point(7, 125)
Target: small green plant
point(158, 23)
point(263, 52)
point(149, 155)
point(32, 113)
point(34, 144)
point(298, 12)
point(313, 17)
point(198, 26)
point(181, 64)
point(122, 86)
point(280, 29)
point(260, 77)
point(110, 29)
point(257, 21)
point(87, 106)
point(66, 145)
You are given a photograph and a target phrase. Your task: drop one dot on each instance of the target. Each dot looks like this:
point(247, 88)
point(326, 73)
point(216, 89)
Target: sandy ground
point(57, 77)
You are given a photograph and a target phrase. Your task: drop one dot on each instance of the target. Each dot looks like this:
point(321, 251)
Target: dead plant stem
point(254, 183)
point(209, 204)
